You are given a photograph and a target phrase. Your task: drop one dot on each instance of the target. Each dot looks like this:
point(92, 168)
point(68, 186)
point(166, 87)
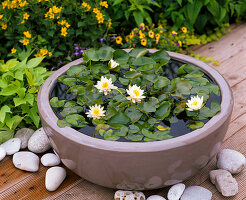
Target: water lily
point(113, 64)
point(136, 94)
point(96, 112)
point(195, 103)
point(105, 85)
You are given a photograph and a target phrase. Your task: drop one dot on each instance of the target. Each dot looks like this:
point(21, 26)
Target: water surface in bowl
point(177, 129)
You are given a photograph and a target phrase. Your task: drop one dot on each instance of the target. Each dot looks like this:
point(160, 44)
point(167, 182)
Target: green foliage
point(164, 99)
point(20, 81)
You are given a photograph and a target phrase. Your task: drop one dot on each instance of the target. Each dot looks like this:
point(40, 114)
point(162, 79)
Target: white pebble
point(11, 146)
point(231, 160)
point(54, 177)
point(39, 142)
point(26, 161)
point(50, 160)
point(176, 191)
point(2, 153)
point(128, 195)
point(155, 197)
point(226, 184)
point(195, 193)
point(24, 134)
point(214, 173)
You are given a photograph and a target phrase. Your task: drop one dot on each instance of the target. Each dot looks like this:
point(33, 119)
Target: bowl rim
point(49, 117)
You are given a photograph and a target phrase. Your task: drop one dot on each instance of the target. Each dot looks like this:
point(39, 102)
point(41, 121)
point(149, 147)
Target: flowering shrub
point(164, 37)
point(133, 96)
point(51, 27)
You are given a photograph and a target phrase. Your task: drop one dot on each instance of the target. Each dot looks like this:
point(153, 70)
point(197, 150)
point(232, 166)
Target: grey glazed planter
point(138, 166)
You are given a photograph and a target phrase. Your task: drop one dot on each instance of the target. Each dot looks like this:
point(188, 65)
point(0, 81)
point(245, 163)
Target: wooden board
point(230, 51)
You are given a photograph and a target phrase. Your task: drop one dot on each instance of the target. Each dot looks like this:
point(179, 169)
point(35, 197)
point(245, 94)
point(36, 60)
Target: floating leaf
point(134, 137)
point(161, 56)
point(132, 74)
point(133, 113)
point(119, 118)
point(161, 82)
point(163, 111)
point(196, 124)
point(55, 102)
point(147, 107)
point(122, 132)
point(138, 52)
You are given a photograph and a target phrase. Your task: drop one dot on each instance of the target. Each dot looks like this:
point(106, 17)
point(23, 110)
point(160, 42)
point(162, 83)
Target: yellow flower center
point(136, 92)
point(195, 103)
point(96, 111)
point(105, 85)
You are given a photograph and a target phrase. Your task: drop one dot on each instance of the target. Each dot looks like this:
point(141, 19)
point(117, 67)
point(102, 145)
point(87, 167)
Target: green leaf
point(122, 132)
point(192, 10)
point(161, 82)
point(109, 135)
point(33, 114)
point(180, 107)
point(133, 113)
point(132, 74)
point(133, 129)
point(120, 56)
point(71, 110)
point(163, 111)
point(189, 69)
point(161, 57)
point(134, 137)
point(143, 61)
point(54, 102)
point(196, 124)
point(150, 77)
point(183, 86)
point(13, 122)
point(163, 97)
point(63, 123)
point(215, 108)
point(105, 53)
point(124, 81)
point(5, 109)
point(76, 120)
point(138, 17)
point(147, 107)
point(5, 134)
point(138, 52)
point(34, 62)
point(119, 118)
point(90, 54)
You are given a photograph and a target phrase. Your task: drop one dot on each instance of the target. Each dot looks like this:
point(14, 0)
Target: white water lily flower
point(105, 85)
point(195, 103)
point(113, 64)
point(136, 94)
point(96, 112)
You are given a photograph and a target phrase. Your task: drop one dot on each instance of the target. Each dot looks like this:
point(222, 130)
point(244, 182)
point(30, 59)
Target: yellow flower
point(143, 42)
point(184, 29)
point(95, 10)
point(64, 31)
point(56, 9)
point(4, 4)
point(26, 16)
point(157, 36)
point(179, 43)
point(4, 26)
point(118, 40)
point(174, 33)
point(25, 41)
point(151, 34)
point(50, 54)
point(22, 4)
point(1, 16)
point(109, 23)
point(141, 35)
point(104, 4)
point(23, 21)
point(142, 25)
point(27, 34)
point(13, 50)
point(43, 52)
point(84, 4)
point(88, 8)
point(131, 35)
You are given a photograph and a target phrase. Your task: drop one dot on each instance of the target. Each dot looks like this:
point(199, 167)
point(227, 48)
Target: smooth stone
point(231, 160)
point(195, 193)
point(155, 197)
point(39, 142)
point(226, 184)
point(214, 173)
point(11, 146)
point(54, 177)
point(50, 160)
point(2, 153)
point(26, 161)
point(128, 195)
point(176, 191)
point(24, 135)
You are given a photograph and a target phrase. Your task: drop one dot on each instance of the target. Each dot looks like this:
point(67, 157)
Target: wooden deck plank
point(230, 51)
